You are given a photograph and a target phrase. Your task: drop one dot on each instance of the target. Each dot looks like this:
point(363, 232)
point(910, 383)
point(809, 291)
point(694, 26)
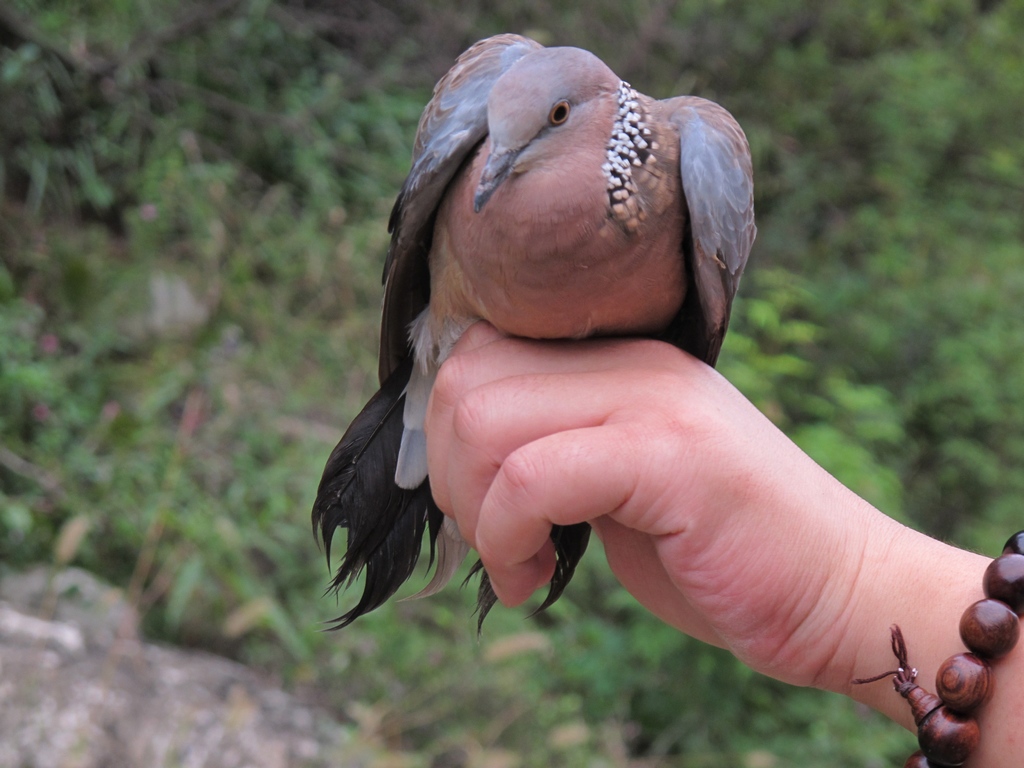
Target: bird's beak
point(498, 167)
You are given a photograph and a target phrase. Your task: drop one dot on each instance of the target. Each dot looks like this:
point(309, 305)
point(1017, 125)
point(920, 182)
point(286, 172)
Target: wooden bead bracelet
point(989, 628)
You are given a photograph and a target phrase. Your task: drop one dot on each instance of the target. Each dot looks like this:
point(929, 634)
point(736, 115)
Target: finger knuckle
point(521, 474)
point(472, 417)
point(452, 381)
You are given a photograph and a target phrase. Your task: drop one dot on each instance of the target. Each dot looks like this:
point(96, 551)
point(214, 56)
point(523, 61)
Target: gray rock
point(79, 689)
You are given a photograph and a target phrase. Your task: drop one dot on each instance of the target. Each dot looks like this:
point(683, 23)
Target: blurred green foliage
point(192, 225)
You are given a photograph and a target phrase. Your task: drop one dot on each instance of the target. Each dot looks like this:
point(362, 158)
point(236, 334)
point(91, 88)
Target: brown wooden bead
point(1014, 544)
point(963, 682)
point(948, 738)
point(989, 628)
point(922, 702)
point(918, 760)
point(1004, 580)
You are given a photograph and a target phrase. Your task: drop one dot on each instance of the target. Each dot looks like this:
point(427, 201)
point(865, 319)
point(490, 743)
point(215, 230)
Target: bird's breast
point(548, 258)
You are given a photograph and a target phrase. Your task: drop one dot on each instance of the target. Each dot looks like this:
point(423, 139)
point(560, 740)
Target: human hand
point(710, 516)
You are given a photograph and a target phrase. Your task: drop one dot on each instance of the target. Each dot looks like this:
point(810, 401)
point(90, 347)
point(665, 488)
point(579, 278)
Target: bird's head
point(536, 110)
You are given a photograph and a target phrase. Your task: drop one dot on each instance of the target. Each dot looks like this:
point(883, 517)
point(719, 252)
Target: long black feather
point(570, 543)
point(357, 491)
point(485, 597)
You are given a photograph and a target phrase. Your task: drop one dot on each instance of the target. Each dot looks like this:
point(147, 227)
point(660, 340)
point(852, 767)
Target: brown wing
point(718, 187)
point(452, 125)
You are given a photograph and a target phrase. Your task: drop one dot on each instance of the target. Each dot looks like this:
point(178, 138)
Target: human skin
point(709, 515)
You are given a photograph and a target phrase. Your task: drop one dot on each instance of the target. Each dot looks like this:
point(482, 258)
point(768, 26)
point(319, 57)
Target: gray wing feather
point(452, 125)
point(718, 184)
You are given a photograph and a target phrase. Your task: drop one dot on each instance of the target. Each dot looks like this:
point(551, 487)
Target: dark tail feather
point(570, 543)
point(386, 523)
point(357, 491)
point(485, 597)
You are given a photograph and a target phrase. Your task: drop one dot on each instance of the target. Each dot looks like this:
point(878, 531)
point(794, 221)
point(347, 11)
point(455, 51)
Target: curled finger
point(561, 479)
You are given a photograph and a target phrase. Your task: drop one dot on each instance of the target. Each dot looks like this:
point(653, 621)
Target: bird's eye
point(559, 113)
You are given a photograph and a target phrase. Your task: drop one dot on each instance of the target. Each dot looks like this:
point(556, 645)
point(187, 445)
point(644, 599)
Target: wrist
point(941, 583)
point(921, 584)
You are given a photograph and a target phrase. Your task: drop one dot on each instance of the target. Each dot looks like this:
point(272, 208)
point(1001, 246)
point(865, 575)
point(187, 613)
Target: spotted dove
point(551, 199)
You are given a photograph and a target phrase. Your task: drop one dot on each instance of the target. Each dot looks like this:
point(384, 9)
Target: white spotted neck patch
point(629, 147)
